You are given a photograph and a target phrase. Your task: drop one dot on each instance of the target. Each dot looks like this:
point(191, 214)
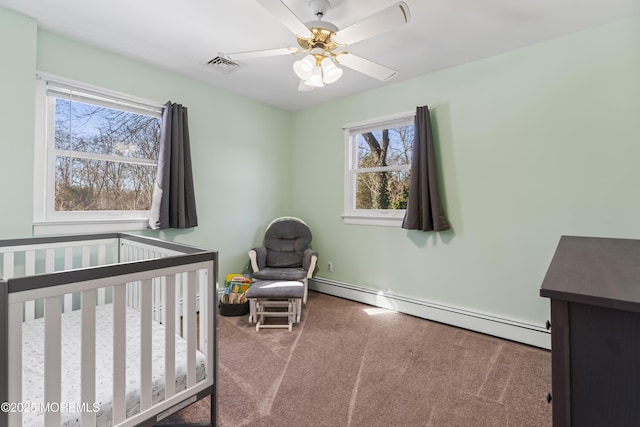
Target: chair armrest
point(309, 262)
point(258, 257)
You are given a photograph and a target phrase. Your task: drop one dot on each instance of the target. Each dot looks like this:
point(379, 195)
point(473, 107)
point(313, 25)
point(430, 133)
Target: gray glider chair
point(285, 254)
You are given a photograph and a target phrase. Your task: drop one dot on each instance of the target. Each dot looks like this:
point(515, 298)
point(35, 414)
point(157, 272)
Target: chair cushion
point(285, 242)
point(287, 274)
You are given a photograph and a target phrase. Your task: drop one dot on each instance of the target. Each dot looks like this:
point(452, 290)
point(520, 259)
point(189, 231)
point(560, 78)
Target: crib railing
point(20, 258)
point(27, 257)
point(133, 249)
point(159, 279)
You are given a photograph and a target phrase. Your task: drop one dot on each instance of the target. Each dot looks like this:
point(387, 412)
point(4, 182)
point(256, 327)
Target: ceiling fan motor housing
point(322, 37)
point(319, 7)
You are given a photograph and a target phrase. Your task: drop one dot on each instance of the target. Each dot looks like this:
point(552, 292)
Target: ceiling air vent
point(223, 65)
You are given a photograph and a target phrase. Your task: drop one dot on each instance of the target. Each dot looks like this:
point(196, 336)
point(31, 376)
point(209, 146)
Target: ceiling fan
point(324, 42)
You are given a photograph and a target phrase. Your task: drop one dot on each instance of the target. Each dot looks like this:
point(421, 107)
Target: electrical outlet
point(330, 266)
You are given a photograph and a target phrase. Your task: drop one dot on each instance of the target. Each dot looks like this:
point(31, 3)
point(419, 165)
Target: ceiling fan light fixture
point(316, 78)
point(304, 87)
point(330, 72)
point(304, 67)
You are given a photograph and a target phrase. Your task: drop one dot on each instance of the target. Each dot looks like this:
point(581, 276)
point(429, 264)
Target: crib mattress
point(33, 365)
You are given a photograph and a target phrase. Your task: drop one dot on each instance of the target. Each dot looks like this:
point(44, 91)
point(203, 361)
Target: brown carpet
point(350, 364)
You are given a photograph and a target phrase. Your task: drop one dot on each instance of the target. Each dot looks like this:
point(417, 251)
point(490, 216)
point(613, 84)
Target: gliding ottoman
point(267, 298)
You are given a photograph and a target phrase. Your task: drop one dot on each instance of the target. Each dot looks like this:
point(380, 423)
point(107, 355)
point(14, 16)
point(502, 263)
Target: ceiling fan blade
point(378, 23)
point(287, 17)
point(239, 56)
point(365, 66)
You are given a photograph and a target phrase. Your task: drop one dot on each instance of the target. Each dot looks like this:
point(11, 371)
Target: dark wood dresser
point(594, 287)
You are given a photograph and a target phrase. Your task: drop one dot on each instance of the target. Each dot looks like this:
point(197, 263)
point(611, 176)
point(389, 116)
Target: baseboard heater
point(509, 329)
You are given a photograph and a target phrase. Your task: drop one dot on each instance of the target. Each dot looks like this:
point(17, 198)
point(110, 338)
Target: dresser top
point(595, 271)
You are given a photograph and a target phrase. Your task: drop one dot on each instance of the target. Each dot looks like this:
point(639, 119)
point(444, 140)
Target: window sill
point(51, 228)
point(383, 221)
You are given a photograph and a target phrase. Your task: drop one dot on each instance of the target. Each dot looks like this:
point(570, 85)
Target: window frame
point(46, 220)
point(378, 217)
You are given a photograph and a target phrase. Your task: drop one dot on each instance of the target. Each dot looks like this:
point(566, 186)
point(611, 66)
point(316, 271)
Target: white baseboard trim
point(509, 329)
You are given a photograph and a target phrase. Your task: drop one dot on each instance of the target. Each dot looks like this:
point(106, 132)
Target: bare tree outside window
point(104, 157)
point(382, 162)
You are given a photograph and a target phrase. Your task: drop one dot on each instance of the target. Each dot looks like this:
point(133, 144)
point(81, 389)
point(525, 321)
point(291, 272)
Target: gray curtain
point(424, 209)
point(174, 204)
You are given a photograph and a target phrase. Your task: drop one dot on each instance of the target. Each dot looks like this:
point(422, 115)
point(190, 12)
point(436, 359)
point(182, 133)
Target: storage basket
point(234, 309)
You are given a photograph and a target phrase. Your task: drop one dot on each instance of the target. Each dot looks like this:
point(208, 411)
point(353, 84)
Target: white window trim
point(376, 217)
point(46, 222)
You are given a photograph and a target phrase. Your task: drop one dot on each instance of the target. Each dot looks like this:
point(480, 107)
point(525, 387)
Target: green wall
point(17, 40)
point(239, 161)
point(532, 144)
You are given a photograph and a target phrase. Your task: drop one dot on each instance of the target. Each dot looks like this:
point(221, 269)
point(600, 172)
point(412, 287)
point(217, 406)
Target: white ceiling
point(182, 35)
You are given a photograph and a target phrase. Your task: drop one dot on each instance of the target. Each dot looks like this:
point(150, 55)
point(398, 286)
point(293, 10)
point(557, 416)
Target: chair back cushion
point(285, 242)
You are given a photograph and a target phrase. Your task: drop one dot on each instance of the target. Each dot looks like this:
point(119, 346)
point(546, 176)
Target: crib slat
point(145, 344)
point(50, 258)
point(170, 337)
point(30, 269)
point(68, 258)
point(68, 265)
point(29, 310)
point(68, 302)
point(30, 262)
point(102, 296)
point(52, 357)
point(136, 295)
point(86, 256)
point(202, 308)
point(178, 313)
point(7, 265)
point(157, 299)
point(133, 295)
point(191, 328)
point(119, 352)
point(15, 361)
point(102, 255)
point(123, 253)
point(88, 355)
point(115, 253)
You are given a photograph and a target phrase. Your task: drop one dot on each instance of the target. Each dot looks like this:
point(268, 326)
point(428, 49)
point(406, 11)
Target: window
point(377, 168)
point(95, 158)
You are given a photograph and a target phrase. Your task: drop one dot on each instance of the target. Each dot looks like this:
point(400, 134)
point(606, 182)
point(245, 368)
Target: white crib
point(105, 330)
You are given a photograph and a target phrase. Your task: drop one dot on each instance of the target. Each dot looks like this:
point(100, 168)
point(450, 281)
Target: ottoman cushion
point(275, 289)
